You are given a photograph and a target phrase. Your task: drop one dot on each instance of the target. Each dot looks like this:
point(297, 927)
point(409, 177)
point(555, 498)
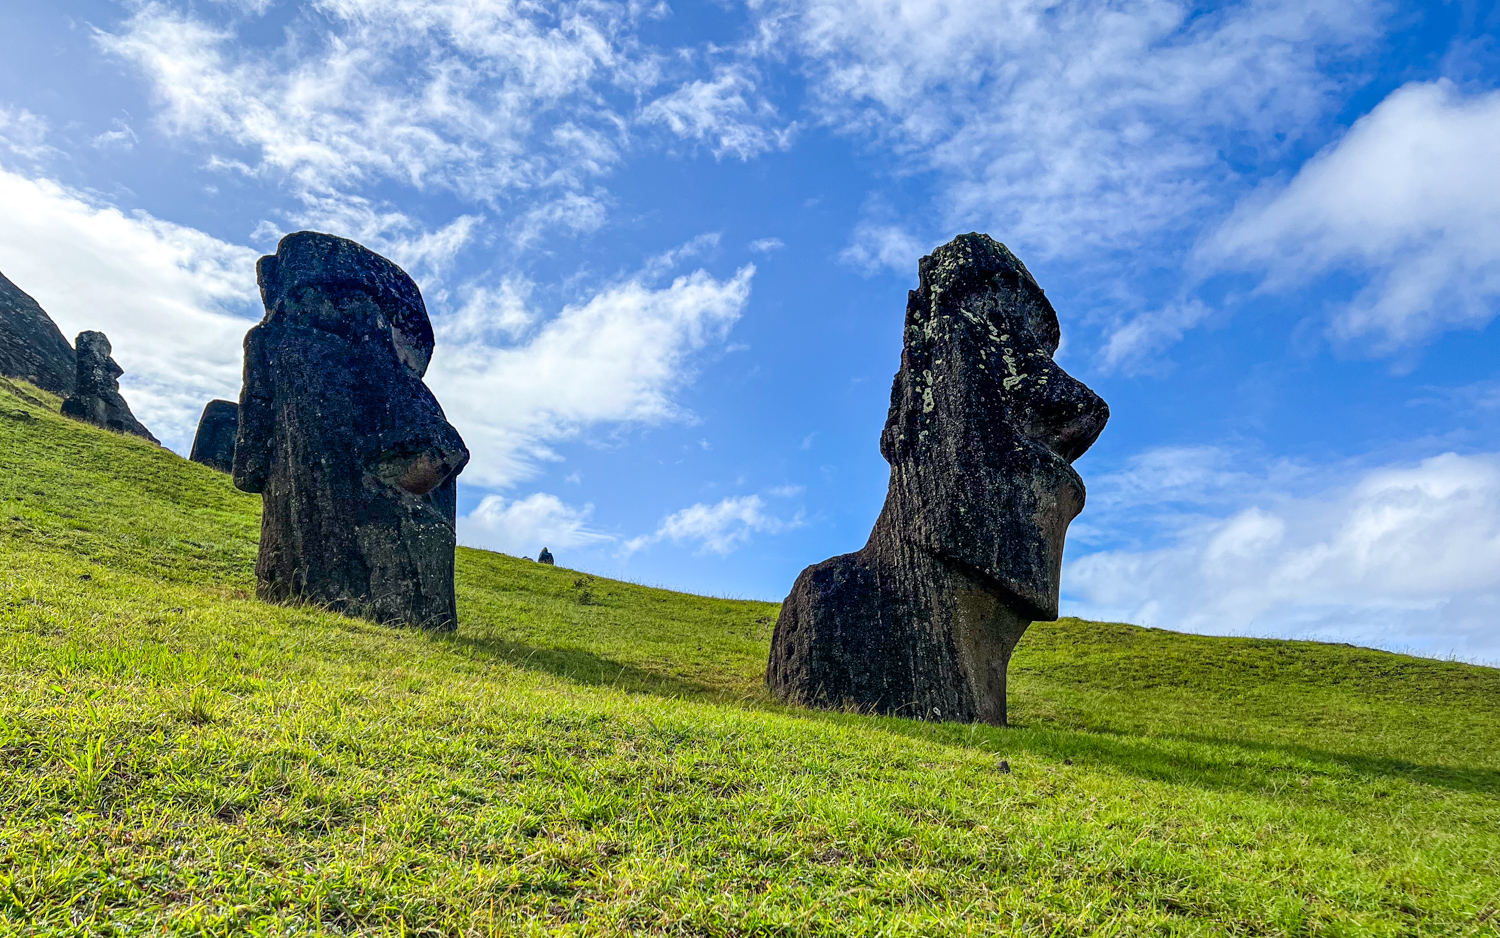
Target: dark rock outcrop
point(96, 397)
point(356, 462)
point(545, 557)
point(31, 346)
point(967, 552)
point(213, 444)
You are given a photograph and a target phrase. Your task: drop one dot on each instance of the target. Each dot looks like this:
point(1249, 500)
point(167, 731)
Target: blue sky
point(666, 248)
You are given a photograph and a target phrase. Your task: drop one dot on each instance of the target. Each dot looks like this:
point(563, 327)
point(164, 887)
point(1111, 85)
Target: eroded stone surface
point(96, 397)
point(545, 557)
point(967, 552)
point(213, 444)
point(351, 452)
point(31, 346)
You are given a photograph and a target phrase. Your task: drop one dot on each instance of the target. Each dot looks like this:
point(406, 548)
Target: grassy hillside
point(591, 757)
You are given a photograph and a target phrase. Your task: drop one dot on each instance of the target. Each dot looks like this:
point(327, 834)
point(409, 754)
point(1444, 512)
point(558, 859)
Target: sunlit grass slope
point(597, 758)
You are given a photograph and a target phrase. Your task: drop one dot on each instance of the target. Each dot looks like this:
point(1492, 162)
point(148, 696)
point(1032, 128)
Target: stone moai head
point(984, 425)
point(96, 397)
point(98, 374)
point(352, 453)
point(213, 444)
point(967, 552)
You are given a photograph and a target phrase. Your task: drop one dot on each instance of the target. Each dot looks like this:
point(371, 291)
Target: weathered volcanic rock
point(545, 557)
point(31, 346)
point(213, 444)
point(352, 453)
point(967, 552)
point(96, 397)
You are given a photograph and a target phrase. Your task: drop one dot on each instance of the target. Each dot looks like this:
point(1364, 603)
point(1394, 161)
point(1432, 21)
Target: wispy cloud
point(725, 113)
point(1067, 127)
point(720, 528)
point(875, 246)
point(1130, 346)
point(485, 98)
point(23, 134)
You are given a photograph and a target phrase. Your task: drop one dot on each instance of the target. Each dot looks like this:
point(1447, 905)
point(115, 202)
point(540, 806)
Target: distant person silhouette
point(544, 557)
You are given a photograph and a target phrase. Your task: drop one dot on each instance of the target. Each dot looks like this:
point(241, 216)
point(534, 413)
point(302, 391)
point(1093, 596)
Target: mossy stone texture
point(967, 552)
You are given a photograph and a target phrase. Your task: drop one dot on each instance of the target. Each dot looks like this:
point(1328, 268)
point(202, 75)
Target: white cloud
point(1410, 197)
point(524, 526)
point(1130, 344)
point(23, 133)
point(1405, 556)
point(726, 113)
point(719, 528)
point(175, 302)
point(667, 261)
point(491, 313)
point(766, 245)
point(1067, 125)
point(482, 97)
point(123, 137)
point(616, 358)
point(573, 212)
point(875, 246)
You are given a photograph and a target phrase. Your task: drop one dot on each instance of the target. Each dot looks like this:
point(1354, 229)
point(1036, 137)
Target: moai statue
point(213, 445)
point(354, 459)
point(96, 397)
point(544, 557)
point(967, 552)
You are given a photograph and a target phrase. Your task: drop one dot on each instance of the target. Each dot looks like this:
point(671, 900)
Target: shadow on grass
point(587, 668)
point(1161, 757)
point(1158, 757)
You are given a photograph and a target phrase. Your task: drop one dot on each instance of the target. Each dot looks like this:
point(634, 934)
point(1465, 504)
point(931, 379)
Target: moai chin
point(354, 459)
point(967, 552)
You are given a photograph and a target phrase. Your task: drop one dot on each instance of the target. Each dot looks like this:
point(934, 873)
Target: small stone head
point(97, 370)
point(984, 425)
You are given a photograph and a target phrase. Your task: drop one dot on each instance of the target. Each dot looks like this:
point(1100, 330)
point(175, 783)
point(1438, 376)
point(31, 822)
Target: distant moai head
point(213, 444)
point(97, 370)
point(352, 453)
point(984, 425)
point(96, 394)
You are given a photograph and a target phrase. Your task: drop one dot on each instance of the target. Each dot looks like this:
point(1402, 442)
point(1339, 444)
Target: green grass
point(591, 757)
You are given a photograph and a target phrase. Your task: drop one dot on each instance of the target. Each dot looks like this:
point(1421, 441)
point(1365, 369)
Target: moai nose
point(1064, 415)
